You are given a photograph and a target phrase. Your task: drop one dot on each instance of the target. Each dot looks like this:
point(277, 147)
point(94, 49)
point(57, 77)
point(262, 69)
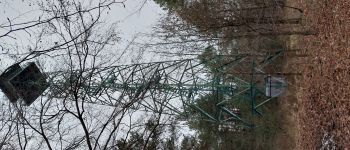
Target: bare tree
point(52, 13)
point(71, 114)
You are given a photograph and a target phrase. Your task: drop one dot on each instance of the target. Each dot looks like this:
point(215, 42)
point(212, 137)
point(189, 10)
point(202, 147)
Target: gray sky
point(137, 16)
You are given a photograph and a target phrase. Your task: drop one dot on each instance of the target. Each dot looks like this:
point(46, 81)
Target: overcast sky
point(134, 18)
point(137, 16)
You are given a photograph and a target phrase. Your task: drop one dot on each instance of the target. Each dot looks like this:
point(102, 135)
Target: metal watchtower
point(172, 87)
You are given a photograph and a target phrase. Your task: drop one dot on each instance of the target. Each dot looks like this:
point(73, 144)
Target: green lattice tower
point(179, 87)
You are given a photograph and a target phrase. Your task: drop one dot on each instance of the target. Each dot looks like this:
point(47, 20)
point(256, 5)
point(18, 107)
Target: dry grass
point(324, 93)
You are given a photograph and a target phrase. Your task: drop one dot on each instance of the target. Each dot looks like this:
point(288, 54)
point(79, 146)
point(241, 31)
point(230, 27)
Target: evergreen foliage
point(169, 4)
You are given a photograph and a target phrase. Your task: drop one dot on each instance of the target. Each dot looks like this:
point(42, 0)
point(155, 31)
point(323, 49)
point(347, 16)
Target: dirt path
point(289, 103)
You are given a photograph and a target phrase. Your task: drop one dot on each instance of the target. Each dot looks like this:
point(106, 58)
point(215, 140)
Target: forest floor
point(321, 117)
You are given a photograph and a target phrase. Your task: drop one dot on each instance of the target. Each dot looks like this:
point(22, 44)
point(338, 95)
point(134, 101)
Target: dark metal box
point(28, 83)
